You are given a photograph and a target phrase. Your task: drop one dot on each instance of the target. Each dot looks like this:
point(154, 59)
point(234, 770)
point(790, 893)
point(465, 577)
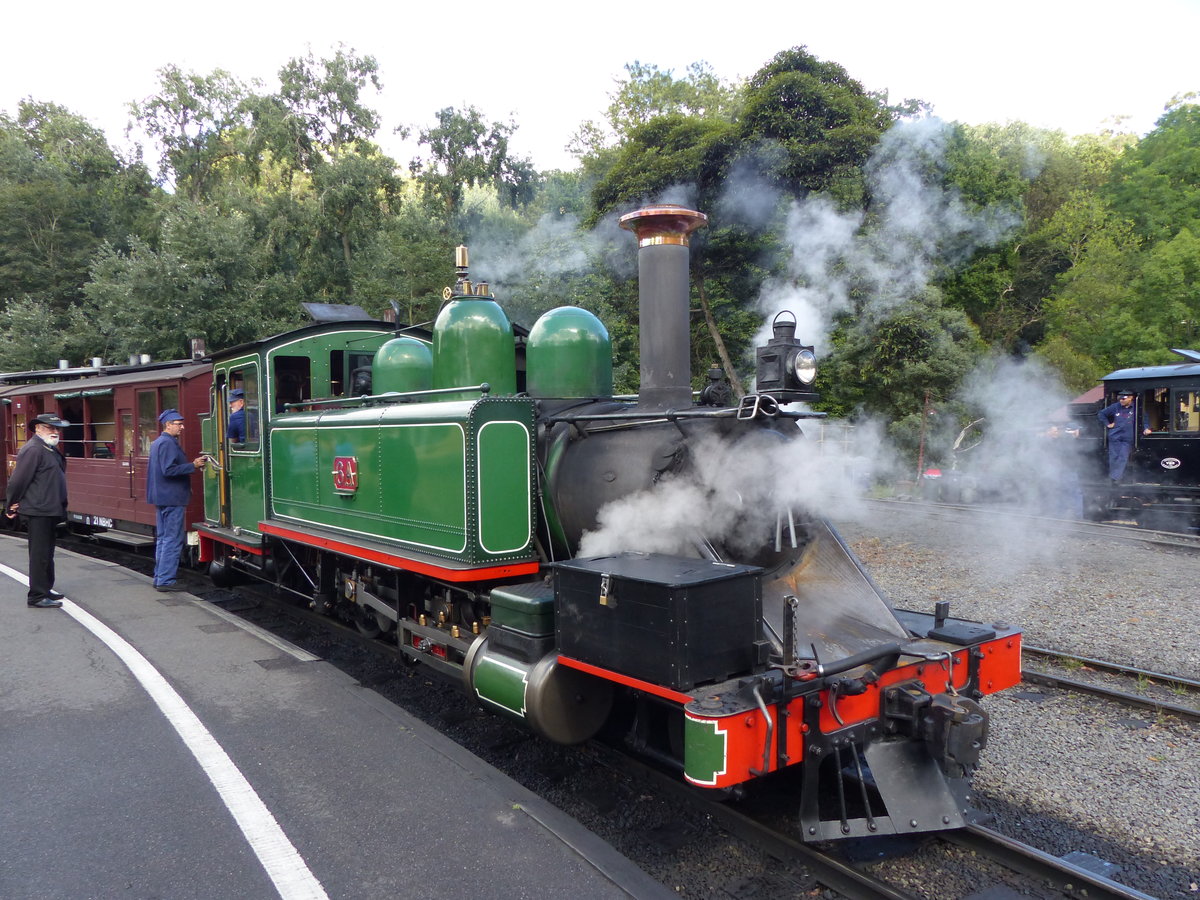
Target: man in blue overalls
point(169, 488)
point(1120, 419)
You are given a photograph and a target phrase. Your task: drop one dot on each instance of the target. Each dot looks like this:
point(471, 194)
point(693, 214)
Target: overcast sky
point(1054, 63)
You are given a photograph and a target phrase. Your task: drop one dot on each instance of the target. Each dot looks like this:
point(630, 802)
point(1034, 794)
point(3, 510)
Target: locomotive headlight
point(804, 365)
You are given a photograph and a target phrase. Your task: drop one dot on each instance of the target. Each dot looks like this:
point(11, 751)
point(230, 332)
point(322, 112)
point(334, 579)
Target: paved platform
point(151, 746)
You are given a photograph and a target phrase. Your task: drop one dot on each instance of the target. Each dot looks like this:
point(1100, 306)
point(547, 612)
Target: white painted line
point(283, 864)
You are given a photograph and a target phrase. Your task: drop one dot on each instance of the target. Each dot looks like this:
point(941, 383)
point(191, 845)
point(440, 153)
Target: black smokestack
point(663, 302)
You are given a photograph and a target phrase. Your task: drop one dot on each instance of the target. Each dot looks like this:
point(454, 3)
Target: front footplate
point(888, 787)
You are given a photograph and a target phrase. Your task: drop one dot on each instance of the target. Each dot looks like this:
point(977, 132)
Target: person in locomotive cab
point(237, 416)
point(37, 490)
point(1120, 419)
point(169, 488)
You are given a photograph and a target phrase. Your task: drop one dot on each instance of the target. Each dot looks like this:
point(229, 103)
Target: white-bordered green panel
point(412, 480)
point(705, 751)
point(503, 467)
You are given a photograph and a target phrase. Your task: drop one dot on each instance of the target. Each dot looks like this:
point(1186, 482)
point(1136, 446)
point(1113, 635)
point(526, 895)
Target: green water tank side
point(403, 364)
point(569, 354)
point(472, 345)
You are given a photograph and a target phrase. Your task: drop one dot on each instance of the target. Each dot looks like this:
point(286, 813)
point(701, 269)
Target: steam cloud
point(916, 224)
point(740, 495)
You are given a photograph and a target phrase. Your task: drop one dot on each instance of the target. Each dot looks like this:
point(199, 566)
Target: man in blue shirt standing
point(1120, 419)
point(169, 488)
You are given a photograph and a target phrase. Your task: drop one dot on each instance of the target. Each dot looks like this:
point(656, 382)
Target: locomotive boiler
point(651, 570)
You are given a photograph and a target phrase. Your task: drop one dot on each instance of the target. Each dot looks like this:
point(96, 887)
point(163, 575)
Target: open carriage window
point(99, 424)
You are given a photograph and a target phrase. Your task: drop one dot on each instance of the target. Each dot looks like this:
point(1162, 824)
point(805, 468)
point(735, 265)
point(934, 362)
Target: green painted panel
point(505, 523)
point(294, 466)
point(501, 684)
point(703, 750)
point(211, 477)
point(410, 479)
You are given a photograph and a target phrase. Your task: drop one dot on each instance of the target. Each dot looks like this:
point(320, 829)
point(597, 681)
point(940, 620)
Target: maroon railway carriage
point(113, 411)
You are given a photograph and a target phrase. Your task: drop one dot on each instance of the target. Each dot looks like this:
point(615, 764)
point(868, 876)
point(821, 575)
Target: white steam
point(742, 495)
point(868, 264)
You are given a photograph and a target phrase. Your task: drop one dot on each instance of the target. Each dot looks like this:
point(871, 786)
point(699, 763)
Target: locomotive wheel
point(366, 620)
point(221, 575)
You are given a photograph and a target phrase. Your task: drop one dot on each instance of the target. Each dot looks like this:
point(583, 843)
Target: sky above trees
point(1070, 66)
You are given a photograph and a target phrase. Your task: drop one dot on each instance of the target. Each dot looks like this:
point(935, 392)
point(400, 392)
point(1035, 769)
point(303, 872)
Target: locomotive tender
point(444, 505)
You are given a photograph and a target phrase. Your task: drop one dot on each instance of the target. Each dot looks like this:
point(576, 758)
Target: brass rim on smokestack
point(663, 224)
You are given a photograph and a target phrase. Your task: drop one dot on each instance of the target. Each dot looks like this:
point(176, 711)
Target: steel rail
point(1070, 879)
point(1127, 699)
point(1114, 668)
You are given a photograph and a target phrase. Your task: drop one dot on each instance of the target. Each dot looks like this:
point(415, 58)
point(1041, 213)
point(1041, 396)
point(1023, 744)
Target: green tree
point(204, 279)
point(199, 122)
point(1034, 172)
point(645, 93)
point(466, 150)
point(63, 193)
point(1156, 183)
point(813, 125)
point(884, 367)
point(30, 335)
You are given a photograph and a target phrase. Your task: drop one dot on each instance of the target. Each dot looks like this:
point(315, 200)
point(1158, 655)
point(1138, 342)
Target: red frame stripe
point(400, 562)
point(608, 674)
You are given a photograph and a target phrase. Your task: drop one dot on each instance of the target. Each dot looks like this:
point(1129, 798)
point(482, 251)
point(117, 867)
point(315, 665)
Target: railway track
point(1113, 531)
point(1162, 694)
point(834, 870)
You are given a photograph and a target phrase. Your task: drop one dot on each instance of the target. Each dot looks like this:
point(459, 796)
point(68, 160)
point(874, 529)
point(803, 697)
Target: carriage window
point(20, 434)
point(100, 427)
point(70, 407)
point(147, 420)
point(1187, 411)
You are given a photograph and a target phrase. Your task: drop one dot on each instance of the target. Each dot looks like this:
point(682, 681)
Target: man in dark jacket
point(1120, 419)
point(169, 488)
point(37, 490)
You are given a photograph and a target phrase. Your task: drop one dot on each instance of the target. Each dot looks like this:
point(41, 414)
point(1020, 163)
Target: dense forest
point(914, 252)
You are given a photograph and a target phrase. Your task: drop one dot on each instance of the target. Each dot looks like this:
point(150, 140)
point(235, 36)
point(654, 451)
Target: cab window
point(1156, 409)
point(247, 381)
point(293, 381)
point(1187, 411)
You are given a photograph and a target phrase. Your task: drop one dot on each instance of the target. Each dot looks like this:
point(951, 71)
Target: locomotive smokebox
point(663, 302)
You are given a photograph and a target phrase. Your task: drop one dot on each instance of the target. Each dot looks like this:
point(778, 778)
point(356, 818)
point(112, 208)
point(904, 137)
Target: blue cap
point(236, 394)
point(169, 415)
point(49, 419)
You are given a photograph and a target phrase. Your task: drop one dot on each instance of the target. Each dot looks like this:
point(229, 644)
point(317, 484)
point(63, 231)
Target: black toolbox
point(669, 620)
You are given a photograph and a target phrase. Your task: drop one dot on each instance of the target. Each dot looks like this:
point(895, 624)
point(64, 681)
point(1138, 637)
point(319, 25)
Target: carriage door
point(243, 473)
